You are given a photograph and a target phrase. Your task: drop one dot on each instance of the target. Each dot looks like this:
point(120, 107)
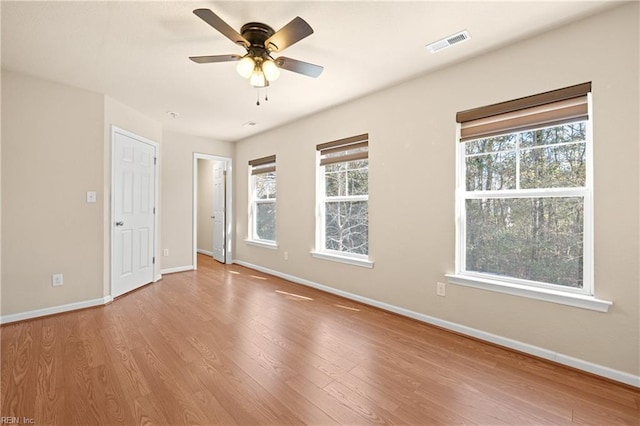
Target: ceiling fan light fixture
point(246, 66)
point(270, 70)
point(260, 40)
point(257, 78)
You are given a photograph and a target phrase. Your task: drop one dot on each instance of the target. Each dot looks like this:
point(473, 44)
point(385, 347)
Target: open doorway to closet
point(211, 207)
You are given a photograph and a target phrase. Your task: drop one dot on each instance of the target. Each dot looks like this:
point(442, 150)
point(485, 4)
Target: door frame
point(112, 233)
point(228, 208)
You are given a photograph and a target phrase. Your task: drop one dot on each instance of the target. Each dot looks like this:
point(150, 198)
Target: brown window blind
point(263, 165)
point(541, 110)
point(347, 149)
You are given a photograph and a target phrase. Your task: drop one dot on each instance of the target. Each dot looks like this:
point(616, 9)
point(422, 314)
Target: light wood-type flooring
point(228, 345)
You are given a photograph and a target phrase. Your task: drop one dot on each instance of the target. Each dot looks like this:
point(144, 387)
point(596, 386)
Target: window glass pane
point(553, 166)
point(265, 185)
point(537, 239)
point(494, 144)
point(572, 132)
point(266, 221)
point(491, 171)
point(335, 179)
point(346, 226)
point(358, 177)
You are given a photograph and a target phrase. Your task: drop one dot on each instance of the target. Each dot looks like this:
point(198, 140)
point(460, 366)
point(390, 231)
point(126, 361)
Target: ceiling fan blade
point(214, 58)
point(216, 22)
point(299, 66)
point(291, 33)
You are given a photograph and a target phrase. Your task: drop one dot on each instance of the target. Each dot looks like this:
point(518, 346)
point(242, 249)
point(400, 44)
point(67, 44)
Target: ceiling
point(137, 51)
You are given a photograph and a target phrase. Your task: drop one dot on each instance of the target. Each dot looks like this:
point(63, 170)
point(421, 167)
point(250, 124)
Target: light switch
point(57, 279)
point(91, 196)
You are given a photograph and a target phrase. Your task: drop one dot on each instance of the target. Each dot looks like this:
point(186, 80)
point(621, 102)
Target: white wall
point(412, 180)
point(177, 191)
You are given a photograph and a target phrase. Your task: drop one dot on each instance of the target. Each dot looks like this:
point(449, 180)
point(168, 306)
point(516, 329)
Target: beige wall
point(205, 205)
point(412, 179)
point(56, 141)
point(0, 196)
point(177, 191)
point(52, 140)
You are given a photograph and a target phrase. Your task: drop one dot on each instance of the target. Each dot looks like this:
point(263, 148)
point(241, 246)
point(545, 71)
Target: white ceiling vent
point(448, 41)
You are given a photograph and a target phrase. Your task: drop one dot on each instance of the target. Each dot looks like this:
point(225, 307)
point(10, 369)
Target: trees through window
point(262, 221)
point(343, 197)
point(525, 195)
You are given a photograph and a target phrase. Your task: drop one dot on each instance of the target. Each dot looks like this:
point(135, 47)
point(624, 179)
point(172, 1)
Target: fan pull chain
point(266, 95)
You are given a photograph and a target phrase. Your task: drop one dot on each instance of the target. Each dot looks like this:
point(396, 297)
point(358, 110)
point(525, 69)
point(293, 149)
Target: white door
point(133, 213)
point(219, 209)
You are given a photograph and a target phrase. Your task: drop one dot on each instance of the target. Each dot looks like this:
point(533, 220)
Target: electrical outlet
point(441, 289)
point(286, 255)
point(165, 252)
point(57, 279)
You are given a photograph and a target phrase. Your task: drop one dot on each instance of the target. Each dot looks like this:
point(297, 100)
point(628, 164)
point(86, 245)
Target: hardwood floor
point(228, 345)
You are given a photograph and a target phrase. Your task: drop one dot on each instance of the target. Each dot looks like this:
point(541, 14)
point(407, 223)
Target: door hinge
point(154, 210)
point(153, 260)
point(224, 173)
point(155, 160)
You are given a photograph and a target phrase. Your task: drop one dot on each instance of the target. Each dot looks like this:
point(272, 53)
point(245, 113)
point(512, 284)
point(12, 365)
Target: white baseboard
point(600, 370)
point(5, 319)
point(177, 269)
point(208, 253)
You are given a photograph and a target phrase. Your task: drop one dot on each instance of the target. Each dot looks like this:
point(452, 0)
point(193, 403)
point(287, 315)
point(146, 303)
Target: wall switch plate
point(165, 252)
point(286, 255)
point(441, 289)
point(91, 196)
point(57, 279)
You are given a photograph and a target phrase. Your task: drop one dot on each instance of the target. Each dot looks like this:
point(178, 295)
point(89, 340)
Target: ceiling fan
point(260, 41)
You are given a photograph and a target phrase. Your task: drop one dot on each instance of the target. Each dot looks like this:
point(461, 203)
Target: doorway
point(212, 207)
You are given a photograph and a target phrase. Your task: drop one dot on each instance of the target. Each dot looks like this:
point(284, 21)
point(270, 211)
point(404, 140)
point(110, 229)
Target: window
point(524, 193)
point(262, 216)
point(343, 200)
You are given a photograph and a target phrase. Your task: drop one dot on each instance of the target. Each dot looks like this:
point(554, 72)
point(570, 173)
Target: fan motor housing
point(256, 33)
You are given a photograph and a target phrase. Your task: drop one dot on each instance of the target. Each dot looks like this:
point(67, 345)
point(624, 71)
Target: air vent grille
point(448, 41)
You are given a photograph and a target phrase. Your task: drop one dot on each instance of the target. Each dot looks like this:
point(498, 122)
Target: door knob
point(213, 217)
point(119, 223)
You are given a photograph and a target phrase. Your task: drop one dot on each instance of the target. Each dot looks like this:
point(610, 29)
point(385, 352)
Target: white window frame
point(252, 237)
point(580, 297)
point(321, 251)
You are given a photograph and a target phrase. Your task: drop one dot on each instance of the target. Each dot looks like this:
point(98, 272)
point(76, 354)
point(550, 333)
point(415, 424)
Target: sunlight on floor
point(346, 307)
point(294, 295)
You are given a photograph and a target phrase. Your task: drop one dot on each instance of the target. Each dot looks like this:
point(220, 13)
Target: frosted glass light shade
point(270, 70)
point(245, 66)
point(257, 78)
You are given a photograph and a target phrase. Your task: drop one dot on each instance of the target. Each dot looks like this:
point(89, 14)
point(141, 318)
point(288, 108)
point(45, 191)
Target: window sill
point(577, 300)
point(365, 263)
point(263, 243)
